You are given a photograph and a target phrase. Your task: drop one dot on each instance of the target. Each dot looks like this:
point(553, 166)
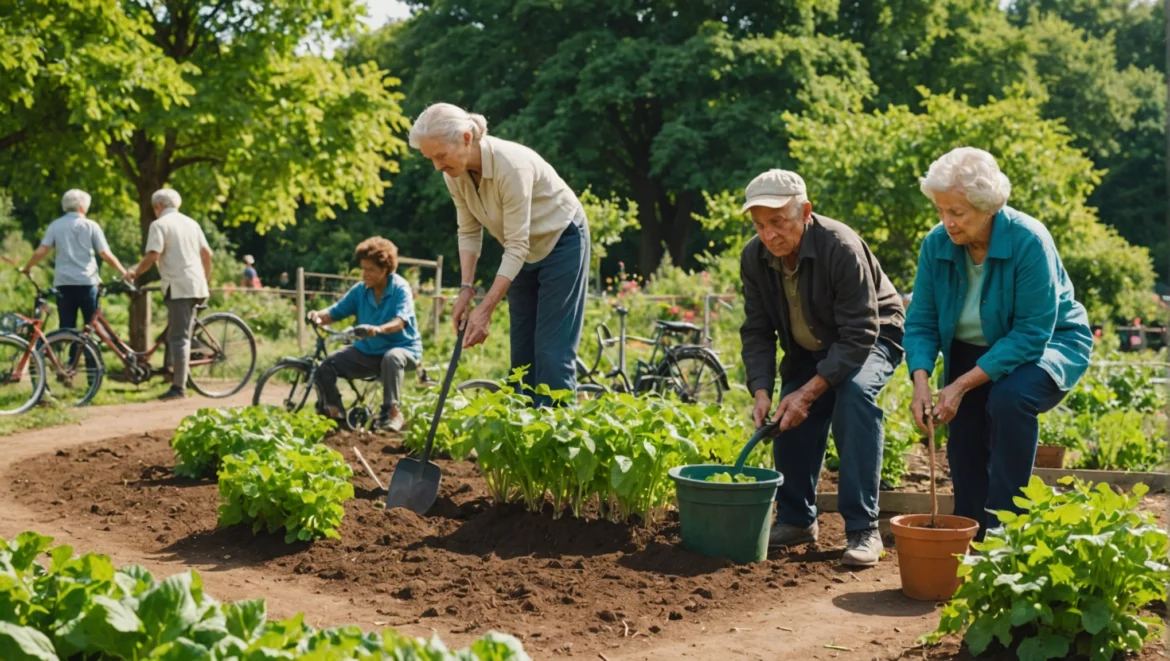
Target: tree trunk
point(651, 251)
point(680, 228)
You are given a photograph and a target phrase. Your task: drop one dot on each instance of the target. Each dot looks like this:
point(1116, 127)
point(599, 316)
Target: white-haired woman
point(76, 239)
point(992, 295)
point(513, 193)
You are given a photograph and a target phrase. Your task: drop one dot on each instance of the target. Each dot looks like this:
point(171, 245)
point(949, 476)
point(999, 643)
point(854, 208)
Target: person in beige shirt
point(513, 193)
point(178, 245)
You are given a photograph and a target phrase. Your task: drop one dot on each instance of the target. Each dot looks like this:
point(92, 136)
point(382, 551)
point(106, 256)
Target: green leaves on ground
point(273, 473)
point(203, 439)
point(617, 448)
point(82, 607)
point(300, 489)
point(1070, 574)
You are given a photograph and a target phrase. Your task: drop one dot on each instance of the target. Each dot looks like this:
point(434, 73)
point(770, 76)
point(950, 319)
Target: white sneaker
point(863, 548)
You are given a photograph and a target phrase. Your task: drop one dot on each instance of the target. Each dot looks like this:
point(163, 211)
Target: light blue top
point(970, 329)
point(76, 239)
point(1027, 313)
point(397, 301)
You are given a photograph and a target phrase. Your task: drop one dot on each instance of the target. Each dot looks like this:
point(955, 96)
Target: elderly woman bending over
point(513, 193)
point(992, 295)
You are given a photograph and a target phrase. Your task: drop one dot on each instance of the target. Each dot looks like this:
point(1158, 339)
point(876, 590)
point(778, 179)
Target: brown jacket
point(847, 300)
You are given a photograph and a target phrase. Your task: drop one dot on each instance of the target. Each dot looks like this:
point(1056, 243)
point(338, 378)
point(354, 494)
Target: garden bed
point(467, 567)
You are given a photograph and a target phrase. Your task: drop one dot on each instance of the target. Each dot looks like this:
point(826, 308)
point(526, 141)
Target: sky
point(384, 10)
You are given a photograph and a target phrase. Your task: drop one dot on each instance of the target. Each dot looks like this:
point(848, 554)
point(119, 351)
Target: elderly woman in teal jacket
point(992, 295)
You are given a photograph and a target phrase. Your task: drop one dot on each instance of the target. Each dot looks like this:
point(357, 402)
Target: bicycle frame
point(620, 372)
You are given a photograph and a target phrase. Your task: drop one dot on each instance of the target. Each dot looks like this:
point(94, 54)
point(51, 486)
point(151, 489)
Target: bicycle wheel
point(223, 355)
point(474, 387)
point(588, 391)
point(73, 365)
point(22, 376)
point(695, 376)
point(285, 385)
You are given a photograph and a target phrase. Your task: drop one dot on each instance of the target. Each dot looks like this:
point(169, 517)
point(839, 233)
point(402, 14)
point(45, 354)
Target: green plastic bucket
point(726, 520)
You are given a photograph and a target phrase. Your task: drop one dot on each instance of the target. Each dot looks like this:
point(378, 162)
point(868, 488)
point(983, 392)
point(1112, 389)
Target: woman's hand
point(479, 324)
point(922, 402)
point(461, 305)
point(948, 402)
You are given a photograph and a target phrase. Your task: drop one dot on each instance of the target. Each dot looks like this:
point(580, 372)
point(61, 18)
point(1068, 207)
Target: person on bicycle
point(76, 238)
point(520, 199)
point(178, 245)
point(383, 305)
point(812, 284)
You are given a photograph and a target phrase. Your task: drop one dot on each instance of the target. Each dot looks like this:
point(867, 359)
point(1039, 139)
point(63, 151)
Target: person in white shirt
point(513, 193)
point(76, 239)
point(177, 244)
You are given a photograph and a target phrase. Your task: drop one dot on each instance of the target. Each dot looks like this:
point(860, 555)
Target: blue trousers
point(74, 298)
point(992, 442)
point(546, 304)
point(856, 419)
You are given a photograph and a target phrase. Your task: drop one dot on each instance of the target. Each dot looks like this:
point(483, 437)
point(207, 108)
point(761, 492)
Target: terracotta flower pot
point(1049, 456)
point(928, 557)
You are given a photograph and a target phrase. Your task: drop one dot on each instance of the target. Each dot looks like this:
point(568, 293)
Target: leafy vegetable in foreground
point(1070, 574)
point(82, 607)
point(300, 489)
point(727, 478)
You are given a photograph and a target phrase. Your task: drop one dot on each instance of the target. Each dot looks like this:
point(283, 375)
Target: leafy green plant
point(1070, 574)
point(727, 478)
point(84, 608)
point(299, 489)
point(1125, 440)
point(203, 439)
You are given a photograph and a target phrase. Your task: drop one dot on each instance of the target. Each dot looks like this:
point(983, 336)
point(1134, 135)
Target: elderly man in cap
point(812, 284)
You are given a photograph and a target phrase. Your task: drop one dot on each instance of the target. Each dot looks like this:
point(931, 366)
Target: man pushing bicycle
point(384, 307)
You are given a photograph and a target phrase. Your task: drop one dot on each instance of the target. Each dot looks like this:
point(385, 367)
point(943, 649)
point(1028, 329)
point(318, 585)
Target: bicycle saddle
point(677, 326)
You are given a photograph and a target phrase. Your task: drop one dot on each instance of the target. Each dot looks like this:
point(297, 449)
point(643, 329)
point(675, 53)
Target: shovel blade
point(414, 485)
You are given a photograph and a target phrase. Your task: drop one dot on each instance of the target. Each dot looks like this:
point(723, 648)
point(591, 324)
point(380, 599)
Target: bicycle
point(680, 370)
point(219, 341)
point(25, 350)
point(296, 374)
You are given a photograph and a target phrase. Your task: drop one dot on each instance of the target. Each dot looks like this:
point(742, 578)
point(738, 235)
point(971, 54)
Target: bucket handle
point(760, 434)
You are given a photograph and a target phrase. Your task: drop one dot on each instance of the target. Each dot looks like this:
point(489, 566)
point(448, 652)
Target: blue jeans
point(992, 442)
point(546, 304)
point(74, 298)
point(851, 408)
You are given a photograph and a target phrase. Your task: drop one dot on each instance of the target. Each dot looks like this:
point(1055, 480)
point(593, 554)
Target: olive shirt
point(520, 200)
point(845, 296)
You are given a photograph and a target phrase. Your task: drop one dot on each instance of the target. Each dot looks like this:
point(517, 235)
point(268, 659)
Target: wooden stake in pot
point(930, 455)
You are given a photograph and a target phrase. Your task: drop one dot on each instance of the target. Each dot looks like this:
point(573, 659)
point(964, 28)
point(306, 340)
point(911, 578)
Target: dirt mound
point(467, 566)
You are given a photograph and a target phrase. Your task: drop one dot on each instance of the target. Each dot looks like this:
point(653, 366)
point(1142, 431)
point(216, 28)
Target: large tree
point(260, 126)
point(653, 101)
point(864, 169)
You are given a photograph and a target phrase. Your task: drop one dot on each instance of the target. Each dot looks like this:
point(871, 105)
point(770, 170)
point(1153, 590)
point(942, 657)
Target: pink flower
point(673, 310)
point(688, 316)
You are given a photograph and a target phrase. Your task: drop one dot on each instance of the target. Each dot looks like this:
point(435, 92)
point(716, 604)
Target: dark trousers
point(851, 408)
point(546, 305)
point(74, 298)
point(351, 363)
point(992, 441)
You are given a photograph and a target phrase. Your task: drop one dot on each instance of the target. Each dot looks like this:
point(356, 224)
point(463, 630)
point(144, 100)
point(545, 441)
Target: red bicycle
point(30, 359)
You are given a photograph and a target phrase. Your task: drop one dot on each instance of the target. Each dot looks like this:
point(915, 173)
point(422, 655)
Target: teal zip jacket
point(1027, 307)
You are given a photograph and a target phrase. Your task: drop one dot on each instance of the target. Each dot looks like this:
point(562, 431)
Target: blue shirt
point(76, 239)
point(1027, 310)
point(397, 302)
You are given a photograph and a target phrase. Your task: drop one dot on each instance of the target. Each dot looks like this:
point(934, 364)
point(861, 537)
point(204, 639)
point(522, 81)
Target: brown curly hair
point(379, 251)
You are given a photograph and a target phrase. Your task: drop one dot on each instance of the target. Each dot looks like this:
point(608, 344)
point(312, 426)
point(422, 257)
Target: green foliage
point(862, 168)
point(608, 220)
point(652, 103)
point(298, 488)
point(1125, 440)
point(84, 608)
point(1069, 575)
point(726, 477)
point(203, 439)
point(617, 448)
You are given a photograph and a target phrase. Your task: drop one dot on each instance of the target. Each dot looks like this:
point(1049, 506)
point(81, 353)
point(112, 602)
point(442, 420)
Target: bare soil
point(567, 588)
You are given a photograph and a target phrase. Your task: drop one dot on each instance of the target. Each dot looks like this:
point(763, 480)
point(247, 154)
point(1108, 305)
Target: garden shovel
point(764, 431)
point(415, 482)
